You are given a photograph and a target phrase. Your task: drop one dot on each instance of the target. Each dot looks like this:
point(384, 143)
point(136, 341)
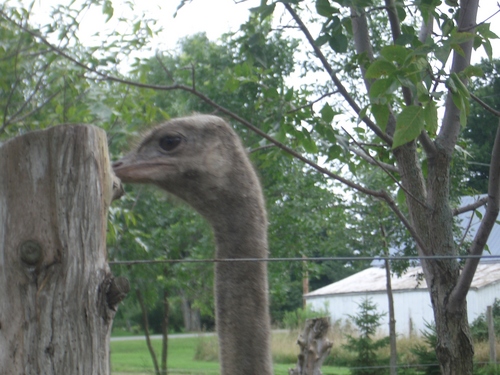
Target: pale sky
point(214, 17)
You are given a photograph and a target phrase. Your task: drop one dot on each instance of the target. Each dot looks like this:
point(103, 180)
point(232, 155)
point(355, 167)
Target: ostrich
point(201, 160)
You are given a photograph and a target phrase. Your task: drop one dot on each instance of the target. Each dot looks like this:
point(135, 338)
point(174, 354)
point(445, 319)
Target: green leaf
point(381, 114)
point(472, 71)
point(395, 53)
point(309, 144)
point(380, 68)
point(442, 54)
point(380, 88)
point(107, 9)
point(264, 10)
point(458, 49)
point(327, 113)
point(460, 37)
point(362, 114)
point(460, 96)
point(401, 197)
point(488, 49)
point(338, 42)
point(322, 39)
point(323, 8)
point(485, 32)
point(431, 117)
point(409, 125)
point(462, 89)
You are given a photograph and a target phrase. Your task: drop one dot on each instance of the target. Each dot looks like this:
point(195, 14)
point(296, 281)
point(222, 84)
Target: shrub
point(426, 353)
point(365, 346)
point(479, 327)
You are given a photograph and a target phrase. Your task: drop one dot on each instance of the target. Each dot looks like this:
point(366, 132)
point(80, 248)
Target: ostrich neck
point(242, 312)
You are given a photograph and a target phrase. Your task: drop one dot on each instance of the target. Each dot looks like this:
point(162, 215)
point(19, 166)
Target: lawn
point(132, 357)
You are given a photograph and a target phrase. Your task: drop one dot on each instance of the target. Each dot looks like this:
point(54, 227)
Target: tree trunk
point(431, 215)
point(147, 335)
point(392, 321)
point(164, 328)
point(314, 347)
point(390, 299)
point(191, 316)
point(59, 296)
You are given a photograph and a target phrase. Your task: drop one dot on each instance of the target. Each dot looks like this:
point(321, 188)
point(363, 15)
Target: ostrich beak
point(133, 169)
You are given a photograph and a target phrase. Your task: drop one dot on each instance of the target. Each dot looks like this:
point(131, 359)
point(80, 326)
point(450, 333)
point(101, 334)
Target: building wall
point(479, 299)
point(412, 308)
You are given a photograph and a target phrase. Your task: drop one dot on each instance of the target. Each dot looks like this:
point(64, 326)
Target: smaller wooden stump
point(58, 296)
point(314, 347)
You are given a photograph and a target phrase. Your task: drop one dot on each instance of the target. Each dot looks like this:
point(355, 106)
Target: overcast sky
point(214, 17)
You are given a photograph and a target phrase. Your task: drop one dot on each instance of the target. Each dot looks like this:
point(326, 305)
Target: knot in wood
point(31, 252)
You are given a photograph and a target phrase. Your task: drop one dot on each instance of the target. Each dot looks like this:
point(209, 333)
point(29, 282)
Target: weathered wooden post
point(314, 347)
point(57, 294)
point(491, 334)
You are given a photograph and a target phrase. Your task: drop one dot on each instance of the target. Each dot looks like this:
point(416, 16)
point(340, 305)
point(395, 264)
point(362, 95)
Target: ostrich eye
point(170, 142)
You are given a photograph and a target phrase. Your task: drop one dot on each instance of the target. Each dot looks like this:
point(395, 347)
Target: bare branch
point(14, 117)
point(466, 231)
point(342, 90)
point(265, 147)
point(427, 144)
point(492, 208)
point(362, 39)
point(450, 128)
point(426, 28)
point(165, 69)
point(384, 166)
point(363, 154)
point(484, 105)
point(30, 113)
point(396, 33)
point(146, 329)
point(311, 103)
point(383, 195)
point(470, 207)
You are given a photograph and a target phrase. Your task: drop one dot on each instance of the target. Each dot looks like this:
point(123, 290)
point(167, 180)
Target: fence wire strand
point(300, 259)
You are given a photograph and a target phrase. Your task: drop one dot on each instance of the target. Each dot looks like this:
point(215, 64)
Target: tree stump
point(314, 347)
point(58, 296)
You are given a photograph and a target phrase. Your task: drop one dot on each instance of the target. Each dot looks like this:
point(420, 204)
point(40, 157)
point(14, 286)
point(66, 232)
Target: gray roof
point(373, 280)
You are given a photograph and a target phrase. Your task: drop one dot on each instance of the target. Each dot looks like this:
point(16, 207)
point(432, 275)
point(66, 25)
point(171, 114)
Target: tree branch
point(484, 105)
point(492, 208)
point(396, 33)
point(146, 330)
point(311, 103)
point(363, 154)
point(342, 90)
point(470, 207)
point(450, 128)
point(362, 39)
point(383, 195)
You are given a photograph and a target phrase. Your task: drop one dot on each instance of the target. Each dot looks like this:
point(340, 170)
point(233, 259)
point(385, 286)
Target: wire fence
point(308, 259)
point(402, 368)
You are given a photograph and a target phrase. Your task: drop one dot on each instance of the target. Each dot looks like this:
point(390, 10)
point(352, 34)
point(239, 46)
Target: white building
point(412, 302)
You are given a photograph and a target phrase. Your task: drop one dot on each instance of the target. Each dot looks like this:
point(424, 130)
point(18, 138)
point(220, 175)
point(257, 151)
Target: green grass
point(132, 357)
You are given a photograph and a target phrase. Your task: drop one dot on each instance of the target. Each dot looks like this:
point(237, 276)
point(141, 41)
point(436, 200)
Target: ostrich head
point(199, 158)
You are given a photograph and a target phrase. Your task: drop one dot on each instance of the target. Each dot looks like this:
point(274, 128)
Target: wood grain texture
point(55, 189)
